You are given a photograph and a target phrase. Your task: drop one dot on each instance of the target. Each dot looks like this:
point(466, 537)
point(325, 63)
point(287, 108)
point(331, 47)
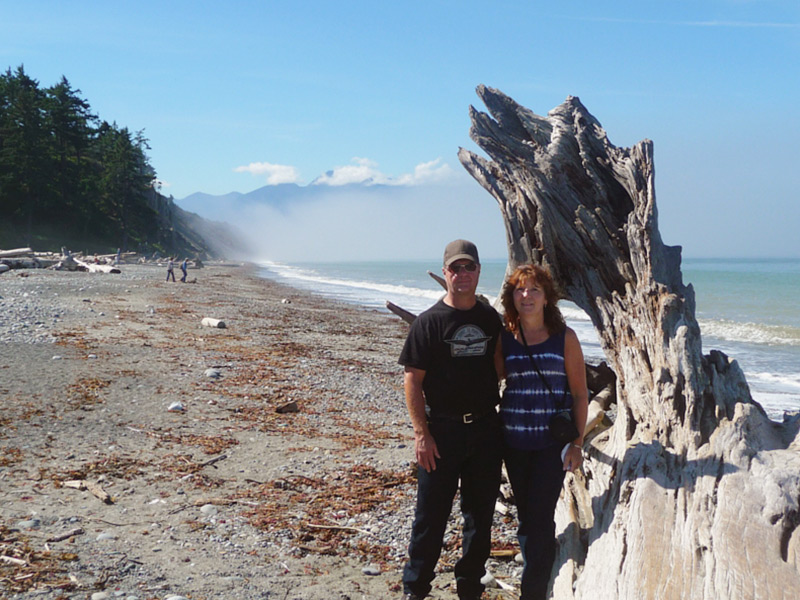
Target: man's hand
point(425, 448)
point(426, 451)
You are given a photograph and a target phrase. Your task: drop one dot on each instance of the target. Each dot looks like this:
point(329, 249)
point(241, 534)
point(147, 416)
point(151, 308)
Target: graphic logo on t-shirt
point(468, 340)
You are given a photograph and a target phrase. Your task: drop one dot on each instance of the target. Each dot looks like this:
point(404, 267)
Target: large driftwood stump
point(693, 492)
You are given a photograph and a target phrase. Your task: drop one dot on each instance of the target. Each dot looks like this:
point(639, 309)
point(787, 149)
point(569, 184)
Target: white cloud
point(365, 171)
point(276, 174)
point(429, 172)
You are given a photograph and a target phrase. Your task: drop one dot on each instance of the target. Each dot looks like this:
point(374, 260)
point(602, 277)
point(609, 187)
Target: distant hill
point(185, 233)
point(278, 197)
point(172, 231)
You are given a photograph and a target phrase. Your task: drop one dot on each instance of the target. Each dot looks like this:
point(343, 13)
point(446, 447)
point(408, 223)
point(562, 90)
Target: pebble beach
point(144, 455)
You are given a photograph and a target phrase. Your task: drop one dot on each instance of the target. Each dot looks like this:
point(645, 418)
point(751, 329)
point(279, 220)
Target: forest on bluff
point(69, 178)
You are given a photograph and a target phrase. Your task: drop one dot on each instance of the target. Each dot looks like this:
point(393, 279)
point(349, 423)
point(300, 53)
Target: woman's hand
point(573, 458)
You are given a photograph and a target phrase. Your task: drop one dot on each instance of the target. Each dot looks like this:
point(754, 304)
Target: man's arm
point(499, 361)
point(424, 444)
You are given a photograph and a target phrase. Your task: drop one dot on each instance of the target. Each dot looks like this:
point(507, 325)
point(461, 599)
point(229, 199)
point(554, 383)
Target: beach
point(144, 455)
point(746, 308)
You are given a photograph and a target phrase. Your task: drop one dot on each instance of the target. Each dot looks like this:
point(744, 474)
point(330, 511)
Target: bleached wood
point(693, 493)
point(94, 488)
point(15, 252)
point(209, 322)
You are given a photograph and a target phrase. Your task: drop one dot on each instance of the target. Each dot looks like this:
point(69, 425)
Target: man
point(183, 269)
point(451, 393)
point(170, 269)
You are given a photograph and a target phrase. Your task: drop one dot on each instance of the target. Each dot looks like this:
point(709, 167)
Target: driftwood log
point(94, 488)
point(694, 491)
point(211, 322)
point(69, 262)
point(15, 252)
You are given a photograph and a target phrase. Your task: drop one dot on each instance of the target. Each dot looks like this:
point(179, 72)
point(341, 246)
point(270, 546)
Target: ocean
point(747, 308)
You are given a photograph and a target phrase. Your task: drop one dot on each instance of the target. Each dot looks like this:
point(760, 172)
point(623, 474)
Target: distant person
point(183, 269)
point(450, 381)
point(171, 269)
point(545, 375)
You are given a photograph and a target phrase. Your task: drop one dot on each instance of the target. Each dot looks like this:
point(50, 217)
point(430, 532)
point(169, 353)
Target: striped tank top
point(527, 405)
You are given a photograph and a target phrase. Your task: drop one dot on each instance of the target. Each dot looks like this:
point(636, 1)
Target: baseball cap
point(459, 249)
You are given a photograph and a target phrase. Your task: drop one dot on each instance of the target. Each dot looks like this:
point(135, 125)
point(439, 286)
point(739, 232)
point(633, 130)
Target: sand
point(282, 471)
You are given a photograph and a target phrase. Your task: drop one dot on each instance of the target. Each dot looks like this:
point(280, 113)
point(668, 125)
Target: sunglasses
point(471, 267)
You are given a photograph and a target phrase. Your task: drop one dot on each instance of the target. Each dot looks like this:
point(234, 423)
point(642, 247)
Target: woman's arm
point(576, 378)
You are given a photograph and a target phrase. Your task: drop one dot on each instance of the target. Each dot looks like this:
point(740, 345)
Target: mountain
point(279, 197)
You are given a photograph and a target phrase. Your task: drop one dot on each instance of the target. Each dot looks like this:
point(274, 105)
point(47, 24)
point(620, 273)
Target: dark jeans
point(473, 453)
point(536, 477)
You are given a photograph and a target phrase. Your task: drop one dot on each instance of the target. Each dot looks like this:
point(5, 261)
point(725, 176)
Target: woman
point(545, 374)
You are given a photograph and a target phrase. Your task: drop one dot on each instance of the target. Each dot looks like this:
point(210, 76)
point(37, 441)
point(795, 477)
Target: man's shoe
point(413, 597)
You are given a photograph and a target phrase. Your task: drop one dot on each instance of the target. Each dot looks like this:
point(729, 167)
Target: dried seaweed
point(22, 568)
point(312, 509)
point(113, 466)
point(75, 337)
point(85, 393)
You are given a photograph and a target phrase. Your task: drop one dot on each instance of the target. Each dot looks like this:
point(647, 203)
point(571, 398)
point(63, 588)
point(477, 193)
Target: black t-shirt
point(455, 348)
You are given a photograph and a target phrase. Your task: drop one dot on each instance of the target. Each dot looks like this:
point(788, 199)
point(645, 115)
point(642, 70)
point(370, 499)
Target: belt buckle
point(468, 418)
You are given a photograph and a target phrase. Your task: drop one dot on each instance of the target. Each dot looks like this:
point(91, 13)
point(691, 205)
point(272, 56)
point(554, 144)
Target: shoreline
point(227, 497)
point(768, 360)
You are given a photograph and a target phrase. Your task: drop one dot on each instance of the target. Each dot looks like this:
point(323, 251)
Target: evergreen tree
point(68, 178)
point(24, 157)
point(125, 181)
point(70, 122)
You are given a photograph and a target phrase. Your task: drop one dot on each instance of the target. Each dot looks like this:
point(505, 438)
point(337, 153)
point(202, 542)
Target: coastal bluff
point(692, 492)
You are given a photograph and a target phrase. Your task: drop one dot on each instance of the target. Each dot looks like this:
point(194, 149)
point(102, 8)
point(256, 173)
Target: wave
point(366, 292)
point(775, 383)
point(721, 329)
point(752, 333)
point(571, 312)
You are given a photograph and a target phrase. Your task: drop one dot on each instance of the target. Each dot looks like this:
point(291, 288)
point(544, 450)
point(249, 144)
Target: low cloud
point(276, 174)
point(372, 223)
point(365, 171)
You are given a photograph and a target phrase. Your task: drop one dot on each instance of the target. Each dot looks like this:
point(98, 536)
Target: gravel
point(174, 528)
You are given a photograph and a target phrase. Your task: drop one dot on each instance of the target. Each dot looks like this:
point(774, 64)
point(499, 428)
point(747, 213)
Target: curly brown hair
point(553, 319)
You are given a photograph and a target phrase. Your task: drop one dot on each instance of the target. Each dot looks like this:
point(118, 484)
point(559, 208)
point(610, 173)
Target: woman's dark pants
point(472, 452)
point(536, 477)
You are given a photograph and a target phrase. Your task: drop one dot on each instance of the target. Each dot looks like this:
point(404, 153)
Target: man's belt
point(465, 418)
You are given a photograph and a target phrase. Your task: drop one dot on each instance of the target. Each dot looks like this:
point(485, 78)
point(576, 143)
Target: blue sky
point(236, 95)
